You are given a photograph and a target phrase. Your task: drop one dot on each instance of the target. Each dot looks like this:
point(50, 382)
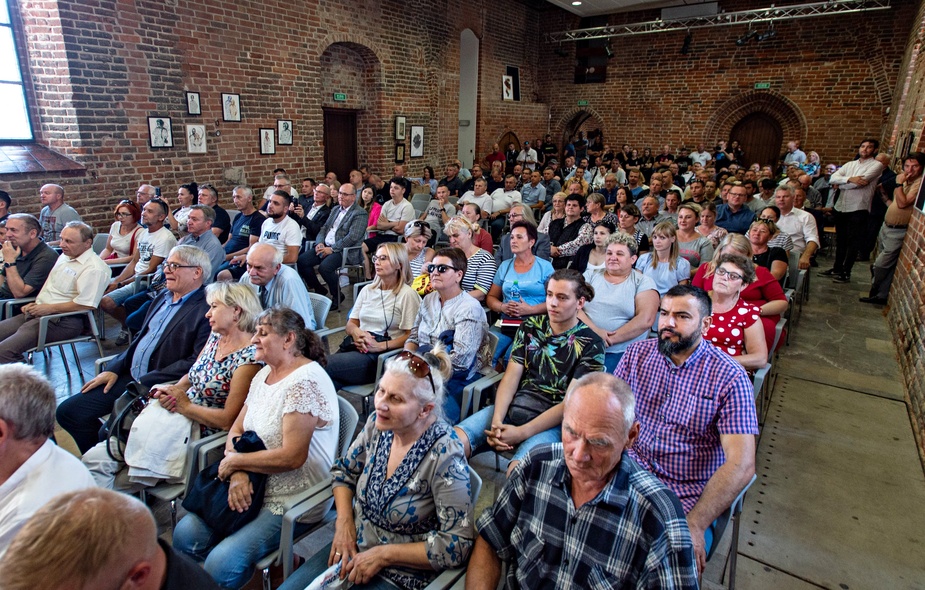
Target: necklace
point(388, 322)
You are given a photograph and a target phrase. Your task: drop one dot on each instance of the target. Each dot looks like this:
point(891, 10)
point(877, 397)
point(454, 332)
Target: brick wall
point(907, 296)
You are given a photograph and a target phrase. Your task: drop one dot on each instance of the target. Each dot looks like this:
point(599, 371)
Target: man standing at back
point(55, 213)
point(696, 411)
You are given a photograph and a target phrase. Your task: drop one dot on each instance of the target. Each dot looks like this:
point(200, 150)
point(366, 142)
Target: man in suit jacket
point(174, 332)
point(277, 285)
point(345, 227)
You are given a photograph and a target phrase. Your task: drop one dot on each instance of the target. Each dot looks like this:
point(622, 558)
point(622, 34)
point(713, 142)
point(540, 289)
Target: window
point(14, 124)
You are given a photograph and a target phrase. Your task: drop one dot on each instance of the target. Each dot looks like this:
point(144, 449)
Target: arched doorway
point(760, 136)
point(509, 137)
point(582, 119)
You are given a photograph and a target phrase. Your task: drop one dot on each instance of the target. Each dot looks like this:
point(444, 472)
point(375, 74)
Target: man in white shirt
point(701, 156)
point(501, 201)
point(276, 284)
point(33, 469)
point(478, 196)
point(279, 230)
point(856, 181)
point(798, 224)
point(527, 157)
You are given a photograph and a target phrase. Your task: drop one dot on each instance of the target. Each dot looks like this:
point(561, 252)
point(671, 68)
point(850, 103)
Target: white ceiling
point(598, 7)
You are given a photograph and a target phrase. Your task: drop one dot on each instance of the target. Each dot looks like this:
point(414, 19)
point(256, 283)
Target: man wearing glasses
point(734, 216)
point(174, 332)
point(313, 218)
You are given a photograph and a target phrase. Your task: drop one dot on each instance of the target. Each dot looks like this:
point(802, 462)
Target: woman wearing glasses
point(417, 234)
point(736, 329)
point(453, 317)
point(763, 292)
point(381, 318)
point(779, 239)
point(123, 234)
point(404, 512)
point(763, 254)
point(481, 266)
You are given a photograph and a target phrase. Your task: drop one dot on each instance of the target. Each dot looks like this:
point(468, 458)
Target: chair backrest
point(723, 520)
point(321, 305)
point(99, 242)
point(348, 424)
point(793, 271)
point(475, 486)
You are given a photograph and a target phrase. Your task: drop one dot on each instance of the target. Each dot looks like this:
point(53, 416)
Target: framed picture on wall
point(267, 141)
point(417, 141)
point(507, 88)
point(399, 153)
point(196, 139)
point(284, 131)
point(400, 128)
point(192, 104)
point(231, 107)
point(160, 134)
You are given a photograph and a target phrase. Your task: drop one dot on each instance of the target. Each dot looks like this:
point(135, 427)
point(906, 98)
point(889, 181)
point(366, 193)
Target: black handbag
point(124, 411)
point(348, 346)
point(208, 496)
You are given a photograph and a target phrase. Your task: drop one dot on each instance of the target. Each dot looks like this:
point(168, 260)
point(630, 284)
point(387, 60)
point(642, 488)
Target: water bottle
point(515, 292)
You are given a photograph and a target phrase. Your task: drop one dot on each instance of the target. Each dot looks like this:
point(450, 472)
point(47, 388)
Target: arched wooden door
point(509, 137)
point(761, 138)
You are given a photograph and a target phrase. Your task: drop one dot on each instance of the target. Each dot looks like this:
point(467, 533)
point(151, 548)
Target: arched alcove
point(579, 119)
point(760, 109)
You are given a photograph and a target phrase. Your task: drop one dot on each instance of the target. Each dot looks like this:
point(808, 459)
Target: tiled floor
point(840, 490)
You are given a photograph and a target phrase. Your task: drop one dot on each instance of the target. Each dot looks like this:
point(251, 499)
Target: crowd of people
point(625, 325)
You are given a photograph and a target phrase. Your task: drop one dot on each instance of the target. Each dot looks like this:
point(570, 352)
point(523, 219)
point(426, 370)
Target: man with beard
point(279, 230)
point(696, 410)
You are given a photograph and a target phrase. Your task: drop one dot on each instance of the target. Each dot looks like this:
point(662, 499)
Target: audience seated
point(417, 235)
point(627, 528)
point(75, 283)
point(649, 215)
point(663, 264)
point(478, 196)
point(381, 319)
point(593, 255)
point(521, 212)
point(556, 211)
point(396, 213)
point(221, 225)
point(212, 393)
point(245, 229)
point(480, 268)
point(733, 215)
point(55, 214)
point(186, 198)
point(123, 234)
point(315, 217)
point(292, 407)
point(33, 469)
point(174, 331)
point(279, 230)
point(696, 411)
point(692, 246)
point(276, 285)
point(625, 300)
point(798, 224)
point(763, 254)
point(708, 227)
point(735, 326)
point(96, 539)
point(438, 212)
point(501, 201)
point(388, 539)
point(548, 353)
point(628, 217)
point(27, 260)
point(778, 239)
point(481, 238)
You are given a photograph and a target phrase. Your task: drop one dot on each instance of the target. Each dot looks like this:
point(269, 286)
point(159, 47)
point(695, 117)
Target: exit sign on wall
point(582, 103)
point(340, 97)
point(762, 85)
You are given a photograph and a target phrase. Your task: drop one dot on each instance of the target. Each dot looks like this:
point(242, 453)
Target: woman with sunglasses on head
point(451, 316)
point(779, 239)
point(518, 289)
point(772, 258)
point(381, 318)
point(404, 512)
point(481, 266)
point(123, 234)
point(417, 234)
point(736, 329)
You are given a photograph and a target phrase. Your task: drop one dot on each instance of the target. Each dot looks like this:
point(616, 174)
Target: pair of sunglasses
point(419, 367)
point(440, 268)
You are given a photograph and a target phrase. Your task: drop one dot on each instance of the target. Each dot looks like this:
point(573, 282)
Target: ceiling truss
point(771, 14)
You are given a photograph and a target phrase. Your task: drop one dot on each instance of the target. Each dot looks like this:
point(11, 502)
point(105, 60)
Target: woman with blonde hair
point(557, 211)
point(692, 246)
point(763, 254)
point(664, 264)
point(381, 318)
point(481, 265)
point(708, 227)
point(417, 234)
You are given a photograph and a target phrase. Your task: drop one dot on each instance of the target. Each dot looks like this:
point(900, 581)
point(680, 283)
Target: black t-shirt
point(223, 222)
point(683, 162)
point(33, 269)
point(454, 185)
point(243, 228)
point(767, 258)
point(183, 573)
point(559, 234)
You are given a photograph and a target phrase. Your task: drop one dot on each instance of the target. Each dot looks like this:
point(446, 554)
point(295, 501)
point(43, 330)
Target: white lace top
point(307, 390)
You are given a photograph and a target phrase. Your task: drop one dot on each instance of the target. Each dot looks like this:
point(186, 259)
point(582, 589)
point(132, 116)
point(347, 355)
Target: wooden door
point(761, 137)
point(340, 142)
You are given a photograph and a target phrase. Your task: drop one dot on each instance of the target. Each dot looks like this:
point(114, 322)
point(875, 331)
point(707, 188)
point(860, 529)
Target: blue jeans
point(503, 350)
point(611, 360)
point(452, 399)
point(315, 565)
point(475, 426)
point(230, 561)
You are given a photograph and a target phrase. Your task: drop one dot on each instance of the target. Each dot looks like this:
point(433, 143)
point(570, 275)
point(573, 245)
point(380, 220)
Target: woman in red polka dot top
point(736, 326)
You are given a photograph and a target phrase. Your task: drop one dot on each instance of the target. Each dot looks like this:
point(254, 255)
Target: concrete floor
point(840, 492)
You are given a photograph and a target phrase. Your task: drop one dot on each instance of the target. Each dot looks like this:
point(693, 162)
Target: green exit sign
point(340, 97)
point(762, 85)
point(582, 103)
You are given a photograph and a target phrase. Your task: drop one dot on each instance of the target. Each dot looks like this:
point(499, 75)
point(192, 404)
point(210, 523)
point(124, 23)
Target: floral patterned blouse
point(210, 379)
point(425, 500)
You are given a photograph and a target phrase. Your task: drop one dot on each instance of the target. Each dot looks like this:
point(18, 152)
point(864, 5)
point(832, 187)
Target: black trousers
point(80, 414)
point(850, 231)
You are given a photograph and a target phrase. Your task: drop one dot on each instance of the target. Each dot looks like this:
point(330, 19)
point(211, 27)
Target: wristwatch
point(7, 265)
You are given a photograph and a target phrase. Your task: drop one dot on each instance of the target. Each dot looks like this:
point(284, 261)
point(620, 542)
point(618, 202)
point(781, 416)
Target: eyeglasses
point(123, 214)
point(722, 272)
point(440, 268)
point(381, 258)
point(418, 366)
point(173, 266)
point(419, 223)
point(765, 220)
point(515, 216)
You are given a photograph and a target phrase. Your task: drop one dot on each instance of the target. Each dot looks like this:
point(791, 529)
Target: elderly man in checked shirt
point(582, 513)
point(696, 412)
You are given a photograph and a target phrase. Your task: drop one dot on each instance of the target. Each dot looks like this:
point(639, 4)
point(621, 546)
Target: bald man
point(96, 539)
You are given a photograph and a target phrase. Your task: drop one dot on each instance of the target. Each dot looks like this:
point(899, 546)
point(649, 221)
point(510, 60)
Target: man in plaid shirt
point(582, 513)
point(696, 411)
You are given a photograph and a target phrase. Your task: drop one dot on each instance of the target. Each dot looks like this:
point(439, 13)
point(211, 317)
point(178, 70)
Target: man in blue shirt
point(734, 216)
point(174, 332)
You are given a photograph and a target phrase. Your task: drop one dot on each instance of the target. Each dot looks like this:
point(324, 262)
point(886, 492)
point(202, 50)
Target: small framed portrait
point(267, 141)
point(417, 141)
point(284, 131)
point(192, 104)
point(399, 153)
point(196, 139)
point(159, 132)
point(399, 128)
point(231, 107)
point(507, 87)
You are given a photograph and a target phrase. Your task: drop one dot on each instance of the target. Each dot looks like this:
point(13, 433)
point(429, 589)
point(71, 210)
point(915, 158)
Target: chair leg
point(67, 367)
point(80, 369)
point(266, 579)
point(734, 551)
point(173, 514)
